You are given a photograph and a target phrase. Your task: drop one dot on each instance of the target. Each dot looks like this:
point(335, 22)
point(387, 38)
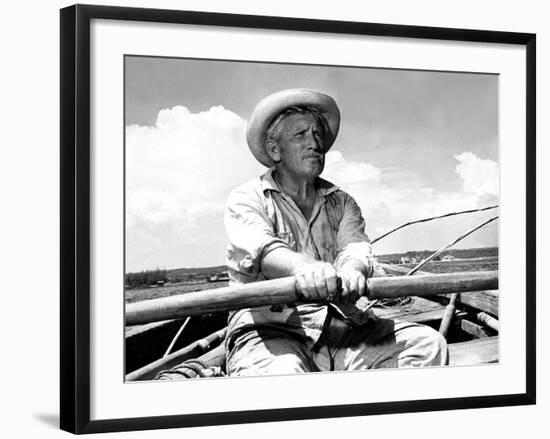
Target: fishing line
point(410, 223)
point(457, 240)
point(406, 302)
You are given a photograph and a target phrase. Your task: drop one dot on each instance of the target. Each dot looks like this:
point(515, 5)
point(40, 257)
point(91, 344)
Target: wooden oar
point(195, 349)
point(283, 290)
point(491, 322)
point(448, 315)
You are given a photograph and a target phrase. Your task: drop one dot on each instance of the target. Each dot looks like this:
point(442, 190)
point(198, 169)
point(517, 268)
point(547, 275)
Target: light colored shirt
point(260, 218)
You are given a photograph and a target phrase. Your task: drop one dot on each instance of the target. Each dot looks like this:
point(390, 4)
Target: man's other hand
point(317, 281)
point(353, 285)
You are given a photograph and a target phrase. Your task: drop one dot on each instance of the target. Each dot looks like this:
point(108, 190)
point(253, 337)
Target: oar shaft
point(199, 347)
point(427, 285)
point(283, 290)
point(269, 292)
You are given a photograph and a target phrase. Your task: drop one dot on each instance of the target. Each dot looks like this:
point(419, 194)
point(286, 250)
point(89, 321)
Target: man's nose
point(313, 142)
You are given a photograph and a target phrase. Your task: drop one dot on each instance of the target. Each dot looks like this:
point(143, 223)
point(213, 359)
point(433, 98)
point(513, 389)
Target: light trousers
point(382, 343)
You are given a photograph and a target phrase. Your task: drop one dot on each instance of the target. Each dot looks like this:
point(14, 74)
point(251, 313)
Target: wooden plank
point(482, 300)
point(132, 331)
point(419, 317)
point(469, 353)
point(474, 329)
point(421, 310)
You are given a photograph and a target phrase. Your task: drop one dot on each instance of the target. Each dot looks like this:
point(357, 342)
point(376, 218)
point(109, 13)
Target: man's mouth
point(314, 156)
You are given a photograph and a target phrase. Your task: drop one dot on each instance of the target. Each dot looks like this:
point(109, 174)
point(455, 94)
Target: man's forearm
point(315, 280)
point(356, 256)
point(283, 262)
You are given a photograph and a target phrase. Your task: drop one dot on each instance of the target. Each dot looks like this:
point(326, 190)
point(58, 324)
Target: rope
point(431, 219)
point(194, 368)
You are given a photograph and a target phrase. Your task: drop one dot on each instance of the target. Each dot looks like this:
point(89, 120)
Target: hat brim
point(271, 106)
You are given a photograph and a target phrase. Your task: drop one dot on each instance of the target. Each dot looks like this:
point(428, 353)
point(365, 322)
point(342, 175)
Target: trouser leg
point(269, 353)
point(385, 344)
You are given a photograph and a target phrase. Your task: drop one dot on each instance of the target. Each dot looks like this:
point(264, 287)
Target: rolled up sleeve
point(353, 242)
point(250, 232)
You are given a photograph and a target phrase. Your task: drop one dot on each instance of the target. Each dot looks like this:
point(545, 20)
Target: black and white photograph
point(294, 218)
point(275, 219)
point(269, 219)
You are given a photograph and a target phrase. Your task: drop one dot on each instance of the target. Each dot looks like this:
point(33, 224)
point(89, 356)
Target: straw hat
point(269, 107)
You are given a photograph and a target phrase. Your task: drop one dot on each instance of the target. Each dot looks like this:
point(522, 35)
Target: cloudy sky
point(412, 144)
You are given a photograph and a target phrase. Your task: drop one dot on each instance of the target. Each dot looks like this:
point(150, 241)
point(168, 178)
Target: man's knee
point(268, 356)
point(284, 364)
point(427, 347)
point(395, 343)
point(287, 364)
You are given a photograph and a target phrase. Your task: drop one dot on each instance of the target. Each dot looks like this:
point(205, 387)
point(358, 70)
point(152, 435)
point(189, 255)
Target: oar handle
point(283, 290)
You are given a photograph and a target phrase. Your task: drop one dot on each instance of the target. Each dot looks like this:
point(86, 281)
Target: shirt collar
point(269, 184)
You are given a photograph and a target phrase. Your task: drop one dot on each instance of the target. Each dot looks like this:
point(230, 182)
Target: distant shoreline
point(462, 254)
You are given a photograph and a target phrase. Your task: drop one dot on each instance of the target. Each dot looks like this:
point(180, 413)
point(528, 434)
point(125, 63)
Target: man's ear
point(273, 151)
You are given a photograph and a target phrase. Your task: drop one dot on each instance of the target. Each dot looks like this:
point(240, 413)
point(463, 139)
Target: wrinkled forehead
point(299, 121)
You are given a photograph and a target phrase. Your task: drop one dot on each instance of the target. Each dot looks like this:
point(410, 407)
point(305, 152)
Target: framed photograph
point(247, 197)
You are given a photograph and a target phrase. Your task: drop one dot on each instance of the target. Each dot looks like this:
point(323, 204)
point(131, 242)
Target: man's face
point(300, 146)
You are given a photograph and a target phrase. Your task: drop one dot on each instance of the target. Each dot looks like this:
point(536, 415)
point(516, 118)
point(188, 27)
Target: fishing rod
point(409, 299)
point(446, 215)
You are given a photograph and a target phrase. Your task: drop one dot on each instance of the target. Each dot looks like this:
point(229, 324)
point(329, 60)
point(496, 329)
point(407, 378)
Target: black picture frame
point(75, 217)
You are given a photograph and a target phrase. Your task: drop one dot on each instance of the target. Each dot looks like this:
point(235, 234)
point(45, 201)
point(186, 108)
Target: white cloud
point(349, 172)
point(178, 176)
point(479, 176)
point(391, 197)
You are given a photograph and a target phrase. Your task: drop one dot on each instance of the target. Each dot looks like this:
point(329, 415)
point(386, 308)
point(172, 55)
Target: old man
point(291, 222)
